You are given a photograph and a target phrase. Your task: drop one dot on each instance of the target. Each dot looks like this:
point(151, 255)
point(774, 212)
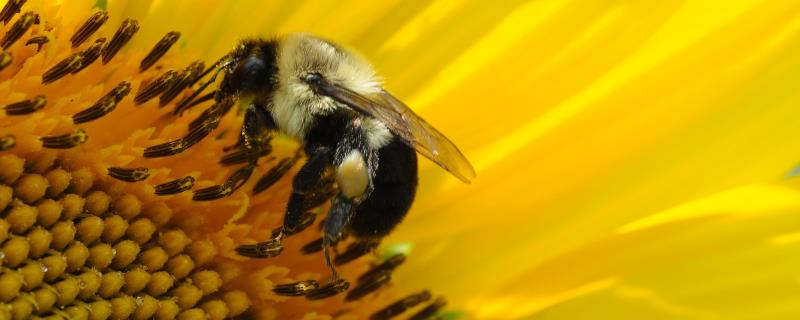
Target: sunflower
point(634, 161)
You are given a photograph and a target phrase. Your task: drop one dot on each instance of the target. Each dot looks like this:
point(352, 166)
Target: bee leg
point(257, 127)
point(338, 216)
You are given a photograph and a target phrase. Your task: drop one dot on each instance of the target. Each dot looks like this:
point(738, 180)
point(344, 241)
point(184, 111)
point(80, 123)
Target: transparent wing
point(407, 125)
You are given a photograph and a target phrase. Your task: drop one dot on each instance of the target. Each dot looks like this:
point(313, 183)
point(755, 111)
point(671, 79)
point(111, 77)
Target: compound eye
point(251, 74)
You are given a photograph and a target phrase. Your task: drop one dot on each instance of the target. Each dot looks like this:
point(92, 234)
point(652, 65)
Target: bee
point(331, 101)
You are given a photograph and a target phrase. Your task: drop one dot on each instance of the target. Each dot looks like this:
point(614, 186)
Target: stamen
point(39, 41)
point(91, 54)
point(65, 141)
point(19, 28)
point(368, 286)
point(175, 186)
point(387, 266)
point(105, 105)
point(64, 67)
point(274, 174)
point(401, 306)
point(300, 288)
point(312, 247)
point(89, 27)
point(129, 175)
point(159, 50)
point(329, 290)
point(430, 310)
point(213, 113)
point(267, 249)
point(26, 106)
point(155, 87)
point(204, 98)
point(354, 251)
point(5, 60)
point(306, 220)
point(7, 142)
point(196, 134)
point(236, 180)
point(185, 79)
point(242, 156)
point(11, 8)
point(124, 34)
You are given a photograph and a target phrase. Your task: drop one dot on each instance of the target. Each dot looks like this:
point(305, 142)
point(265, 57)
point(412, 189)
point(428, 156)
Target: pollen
point(97, 217)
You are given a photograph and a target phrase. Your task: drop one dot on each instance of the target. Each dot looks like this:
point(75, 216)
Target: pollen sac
point(64, 67)
point(128, 175)
point(300, 288)
point(7, 142)
point(65, 141)
point(329, 290)
point(266, 249)
point(312, 247)
point(401, 306)
point(368, 286)
point(89, 27)
point(159, 50)
point(274, 174)
point(5, 59)
point(26, 106)
point(175, 186)
point(91, 54)
point(386, 266)
point(234, 182)
point(430, 310)
point(185, 79)
point(39, 41)
point(19, 28)
point(105, 105)
point(11, 8)
point(244, 155)
point(155, 88)
point(121, 37)
point(354, 251)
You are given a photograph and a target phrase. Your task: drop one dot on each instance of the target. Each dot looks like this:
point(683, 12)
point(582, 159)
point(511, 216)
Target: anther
point(401, 306)
point(64, 67)
point(213, 113)
point(234, 182)
point(7, 142)
point(386, 266)
point(175, 186)
point(274, 174)
point(89, 27)
point(244, 155)
point(5, 60)
point(124, 34)
point(185, 79)
point(11, 8)
point(155, 88)
point(65, 141)
point(91, 54)
point(196, 133)
point(430, 310)
point(267, 249)
point(329, 290)
point(354, 251)
point(25, 106)
point(300, 288)
point(19, 28)
point(159, 50)
point(105, 105)
point(368, 286)
point(39, 41)
point(129, 175)
point(312, 247)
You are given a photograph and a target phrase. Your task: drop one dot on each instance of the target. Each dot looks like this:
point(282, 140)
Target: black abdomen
point(395, 186)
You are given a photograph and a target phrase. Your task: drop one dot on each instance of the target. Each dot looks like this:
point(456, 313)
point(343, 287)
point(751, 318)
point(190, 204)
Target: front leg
point(319, 160)
point(256, 132)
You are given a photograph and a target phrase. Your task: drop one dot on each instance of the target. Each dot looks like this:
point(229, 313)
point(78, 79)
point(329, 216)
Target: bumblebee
point(351, 130)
